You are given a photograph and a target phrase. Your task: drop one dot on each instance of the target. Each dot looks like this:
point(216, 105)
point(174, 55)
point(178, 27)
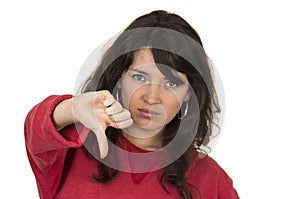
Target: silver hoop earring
point(118, 95)
point(185, 111)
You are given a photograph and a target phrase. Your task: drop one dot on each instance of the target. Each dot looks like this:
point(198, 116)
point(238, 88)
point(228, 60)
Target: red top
point(63, 168)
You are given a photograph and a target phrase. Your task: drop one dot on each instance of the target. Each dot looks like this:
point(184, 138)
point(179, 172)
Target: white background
point(254, 44)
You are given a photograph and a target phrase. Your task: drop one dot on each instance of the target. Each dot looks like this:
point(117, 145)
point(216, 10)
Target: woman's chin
point(149, 125)
point(144, 130)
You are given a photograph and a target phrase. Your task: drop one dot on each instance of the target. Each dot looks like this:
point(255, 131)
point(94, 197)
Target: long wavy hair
point(117, 60)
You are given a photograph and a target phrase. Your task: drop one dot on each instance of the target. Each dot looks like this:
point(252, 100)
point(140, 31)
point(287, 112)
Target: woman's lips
point(148, 113)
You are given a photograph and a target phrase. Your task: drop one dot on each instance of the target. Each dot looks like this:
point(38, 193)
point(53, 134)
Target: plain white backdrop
point(254, 45)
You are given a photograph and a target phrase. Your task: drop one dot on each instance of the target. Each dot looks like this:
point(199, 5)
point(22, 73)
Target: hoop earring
point(185, 111)
point(118, 95)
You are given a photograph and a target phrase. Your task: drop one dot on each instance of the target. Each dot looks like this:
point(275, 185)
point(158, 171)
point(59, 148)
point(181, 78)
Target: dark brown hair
point(198, 73)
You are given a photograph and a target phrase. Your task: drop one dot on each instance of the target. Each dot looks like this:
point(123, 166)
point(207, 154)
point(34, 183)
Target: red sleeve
point(46, 147)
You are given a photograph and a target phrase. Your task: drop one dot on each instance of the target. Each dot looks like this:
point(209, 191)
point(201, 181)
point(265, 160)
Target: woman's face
point(152, 99)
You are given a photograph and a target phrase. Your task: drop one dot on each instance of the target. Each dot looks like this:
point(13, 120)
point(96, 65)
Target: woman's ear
point(119, 84)
point(187, 96)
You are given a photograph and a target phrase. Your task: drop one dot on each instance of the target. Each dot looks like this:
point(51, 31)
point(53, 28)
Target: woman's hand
point(96, 111)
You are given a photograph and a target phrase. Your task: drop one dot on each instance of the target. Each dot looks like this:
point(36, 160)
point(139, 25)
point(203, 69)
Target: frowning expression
point(152, 99)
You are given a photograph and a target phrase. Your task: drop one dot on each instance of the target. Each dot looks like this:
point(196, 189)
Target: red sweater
point(63, 169)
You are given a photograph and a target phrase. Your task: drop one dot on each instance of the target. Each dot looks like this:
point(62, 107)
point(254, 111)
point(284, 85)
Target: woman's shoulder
point(206, 174)
point(204, 164)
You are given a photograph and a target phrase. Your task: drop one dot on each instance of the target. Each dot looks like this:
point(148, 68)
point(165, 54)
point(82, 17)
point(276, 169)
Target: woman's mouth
point(148, 113)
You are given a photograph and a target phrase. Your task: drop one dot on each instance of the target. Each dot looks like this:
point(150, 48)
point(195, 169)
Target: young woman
point(140, 126)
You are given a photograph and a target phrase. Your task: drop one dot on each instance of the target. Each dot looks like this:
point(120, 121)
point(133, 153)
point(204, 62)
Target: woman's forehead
point(143, 56)
point(144, 62)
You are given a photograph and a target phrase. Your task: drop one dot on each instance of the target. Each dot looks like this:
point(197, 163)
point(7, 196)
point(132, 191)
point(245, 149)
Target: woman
point(139, 128)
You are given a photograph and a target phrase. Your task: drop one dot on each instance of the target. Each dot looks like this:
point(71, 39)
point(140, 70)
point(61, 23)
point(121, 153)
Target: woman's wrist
point(63, 114)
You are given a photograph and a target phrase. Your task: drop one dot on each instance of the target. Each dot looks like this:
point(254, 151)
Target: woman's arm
point(41, 134)
point(50, 131)
point(46, 147)
point(63, 114)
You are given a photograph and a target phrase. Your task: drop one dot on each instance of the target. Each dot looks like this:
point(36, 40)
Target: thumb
point(102, 142)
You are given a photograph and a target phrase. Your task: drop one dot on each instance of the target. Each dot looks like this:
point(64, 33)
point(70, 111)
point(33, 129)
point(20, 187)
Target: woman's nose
point(152, 93)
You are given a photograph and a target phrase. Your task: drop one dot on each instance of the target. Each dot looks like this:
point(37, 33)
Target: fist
point(97, 111)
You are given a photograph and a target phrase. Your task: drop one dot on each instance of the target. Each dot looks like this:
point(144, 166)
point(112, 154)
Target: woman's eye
point(171, 84)
point(139, 77)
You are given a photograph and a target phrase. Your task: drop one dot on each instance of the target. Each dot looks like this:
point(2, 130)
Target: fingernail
point(102, 156)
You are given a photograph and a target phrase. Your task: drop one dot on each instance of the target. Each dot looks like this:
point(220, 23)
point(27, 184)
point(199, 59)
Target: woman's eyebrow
point(174, 78)
point(143, 72)
point(140, 71)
